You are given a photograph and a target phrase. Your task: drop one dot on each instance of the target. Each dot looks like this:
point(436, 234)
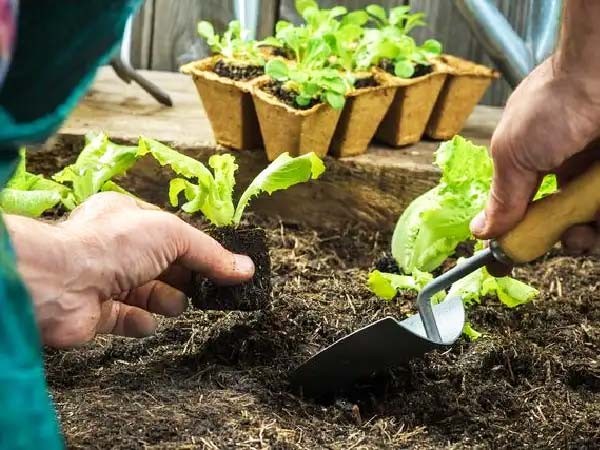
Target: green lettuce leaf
point(281, 174)
point(28, 203)
point(28, 194)
point(471, 333)
point(210, 194)
point(98, 163)
point(435, 223)
point(478, 284)
point(549, 186)
point(387, 285)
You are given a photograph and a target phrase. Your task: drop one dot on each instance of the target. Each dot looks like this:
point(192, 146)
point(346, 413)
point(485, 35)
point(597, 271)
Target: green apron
point(60, 44)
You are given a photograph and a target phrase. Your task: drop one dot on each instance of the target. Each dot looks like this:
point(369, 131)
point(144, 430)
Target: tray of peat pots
point(464, 87)
point(211, 194)
point(366, 106)
point(416, 96)
point(299, 102)
point(419, 74)
point(223, 83)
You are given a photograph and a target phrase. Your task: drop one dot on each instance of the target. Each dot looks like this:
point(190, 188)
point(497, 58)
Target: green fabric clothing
point(27, 420)
point(60, 44)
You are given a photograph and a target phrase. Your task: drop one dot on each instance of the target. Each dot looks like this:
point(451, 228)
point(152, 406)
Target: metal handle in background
point(514, 56)
point(122, 67)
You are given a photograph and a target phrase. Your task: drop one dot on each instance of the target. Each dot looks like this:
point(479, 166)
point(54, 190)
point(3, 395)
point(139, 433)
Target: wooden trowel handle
point(547, 219)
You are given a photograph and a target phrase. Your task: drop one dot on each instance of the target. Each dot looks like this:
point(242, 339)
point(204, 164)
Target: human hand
point(113, 263)
point(549, 121)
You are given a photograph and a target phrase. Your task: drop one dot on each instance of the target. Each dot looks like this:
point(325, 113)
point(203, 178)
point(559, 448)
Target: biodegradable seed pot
point(225, 93)
point(464, 87)
point(288, 129)
point(409, 113)
point(253, 295)
point(365, 108)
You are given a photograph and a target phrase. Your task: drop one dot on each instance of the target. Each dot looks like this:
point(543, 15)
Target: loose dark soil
point(219, 379)
point(365, 82)
point(420, 69)
point(238, 72)
point(278, 90)
point(251, 296)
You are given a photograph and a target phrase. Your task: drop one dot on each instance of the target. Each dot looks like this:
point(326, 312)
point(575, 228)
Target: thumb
point(513, 187)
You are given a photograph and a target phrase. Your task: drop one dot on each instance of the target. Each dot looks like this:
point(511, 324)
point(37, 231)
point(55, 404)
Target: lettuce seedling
point(433, 225)
point(98, 163)
point(211, 193)
point(324, 85)
point(398, 17)
point(390, 42)
point(27, 194)
point(233, 45)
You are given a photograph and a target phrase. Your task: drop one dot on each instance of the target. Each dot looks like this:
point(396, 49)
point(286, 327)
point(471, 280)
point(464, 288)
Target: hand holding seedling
point(549, 121)
point(111, 265)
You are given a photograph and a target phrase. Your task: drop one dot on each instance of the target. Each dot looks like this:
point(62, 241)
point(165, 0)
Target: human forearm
point(578, 53)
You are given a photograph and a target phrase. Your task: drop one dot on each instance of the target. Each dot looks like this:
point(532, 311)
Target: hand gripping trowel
point(388, 342)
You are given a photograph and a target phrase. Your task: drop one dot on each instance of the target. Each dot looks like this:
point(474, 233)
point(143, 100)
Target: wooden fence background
point(164, 32)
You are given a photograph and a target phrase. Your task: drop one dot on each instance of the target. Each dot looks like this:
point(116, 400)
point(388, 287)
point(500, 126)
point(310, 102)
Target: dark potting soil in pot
point(278, 90)
point(420, 69)
point(250, 296)
point(238, 72)
point(366, 82)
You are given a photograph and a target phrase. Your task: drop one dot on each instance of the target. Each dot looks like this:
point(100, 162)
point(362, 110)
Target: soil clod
point(251, 296)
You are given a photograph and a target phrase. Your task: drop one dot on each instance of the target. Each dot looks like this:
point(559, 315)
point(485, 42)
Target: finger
point(125, 320)
point(579, 240)
point(159, 298)
point(179, 277)
point(512, 189)
point(202, 254)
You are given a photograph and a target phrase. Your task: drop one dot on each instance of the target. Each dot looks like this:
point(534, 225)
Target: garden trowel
point(389, 343)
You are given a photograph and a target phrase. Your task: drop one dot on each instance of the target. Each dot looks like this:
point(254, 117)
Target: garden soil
point(219, 379)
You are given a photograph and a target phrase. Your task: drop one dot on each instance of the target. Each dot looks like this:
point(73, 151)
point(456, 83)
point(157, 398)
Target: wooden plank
point(373, 188)
point(141, 36)
point(175, 39)
point(268, 16)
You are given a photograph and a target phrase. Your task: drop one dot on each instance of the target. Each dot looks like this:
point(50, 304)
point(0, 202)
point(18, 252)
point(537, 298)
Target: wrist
point(42, 257)
point(578, 81)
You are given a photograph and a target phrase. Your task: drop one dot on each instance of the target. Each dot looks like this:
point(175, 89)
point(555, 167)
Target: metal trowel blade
point(382, 345)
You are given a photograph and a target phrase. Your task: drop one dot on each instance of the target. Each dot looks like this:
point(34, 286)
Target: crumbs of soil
point(278, 90)
point(238, 72)
point(250, 296)
point(219, 380)
point(366, 82)
point(420, 69)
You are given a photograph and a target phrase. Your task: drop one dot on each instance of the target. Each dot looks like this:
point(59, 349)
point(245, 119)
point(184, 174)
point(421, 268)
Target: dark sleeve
point(60, 45)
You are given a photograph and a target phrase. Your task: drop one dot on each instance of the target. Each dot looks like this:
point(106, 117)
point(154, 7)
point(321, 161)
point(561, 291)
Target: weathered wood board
point(372, 189)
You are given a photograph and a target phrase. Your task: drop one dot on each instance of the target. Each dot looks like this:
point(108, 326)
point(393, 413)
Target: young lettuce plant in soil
point(28, 194)
point(223, 83)
point(300, 103)
point(97, 165)
point(211, 193)
point(432, 228)
point(417, 69)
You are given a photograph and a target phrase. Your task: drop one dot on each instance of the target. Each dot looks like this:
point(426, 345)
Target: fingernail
point(244, 264)
point(478, 223)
